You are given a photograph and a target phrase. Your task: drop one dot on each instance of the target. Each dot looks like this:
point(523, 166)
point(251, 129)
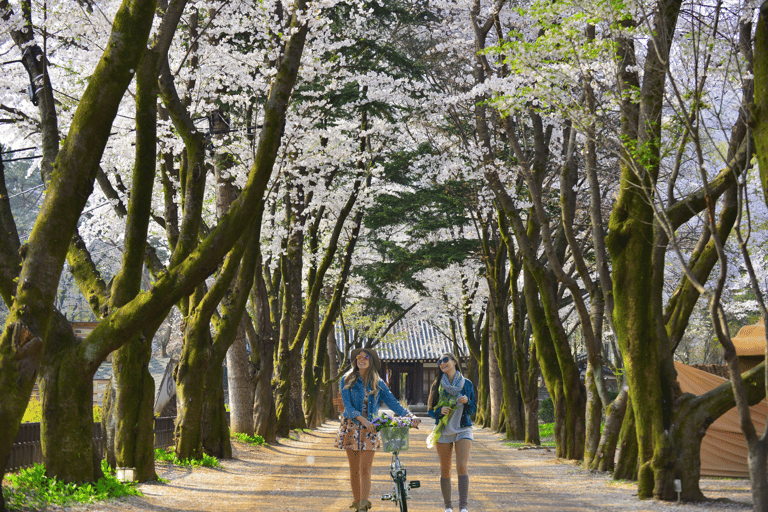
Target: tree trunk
point(214, 426)
point(511, 394)
point(495, 389)
point(288, 389)
point(626, 467)
point(484, 402)
point(604, 459)
point(127, 417)
point(594, 418)
point(263, 359)
point(568, 404)
point(66, 429)
point(194, 363)
point(240, 388)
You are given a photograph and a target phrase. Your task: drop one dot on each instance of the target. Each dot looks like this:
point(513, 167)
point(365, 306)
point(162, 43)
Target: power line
point(27, 190)
point(23, 158)
point(17, 150)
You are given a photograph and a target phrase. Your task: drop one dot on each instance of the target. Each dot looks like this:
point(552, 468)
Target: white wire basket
point(394, 439)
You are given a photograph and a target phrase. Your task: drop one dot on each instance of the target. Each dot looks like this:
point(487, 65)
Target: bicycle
point(395, 440)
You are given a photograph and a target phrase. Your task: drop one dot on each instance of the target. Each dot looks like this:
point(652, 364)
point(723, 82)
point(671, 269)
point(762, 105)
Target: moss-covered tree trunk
point(263, 358)
point(128, 411)
point(24, 341)
point(194, 364)
point(626, 466)
point(523, 350)
point(288, 361)
point(550, 369)
point(66, 429)
point(630, 245)
point(484, 403)
point(214, 427)
point(605, 455)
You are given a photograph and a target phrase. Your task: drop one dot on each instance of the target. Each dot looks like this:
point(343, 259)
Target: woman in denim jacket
point(452, 394)
point(356, 434)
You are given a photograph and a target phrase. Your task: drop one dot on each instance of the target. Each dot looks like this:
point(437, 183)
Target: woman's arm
point(469, 391)
point(388, 398)
point(349, 409)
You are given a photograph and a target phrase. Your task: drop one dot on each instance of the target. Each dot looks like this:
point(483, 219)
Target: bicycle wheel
point(400, 485)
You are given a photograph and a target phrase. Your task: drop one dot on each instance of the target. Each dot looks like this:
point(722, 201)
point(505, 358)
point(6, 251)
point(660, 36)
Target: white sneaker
point(464, 510)
point(449, 510)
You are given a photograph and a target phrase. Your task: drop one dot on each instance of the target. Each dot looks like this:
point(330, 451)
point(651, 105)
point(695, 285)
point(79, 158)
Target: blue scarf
point(455, 387)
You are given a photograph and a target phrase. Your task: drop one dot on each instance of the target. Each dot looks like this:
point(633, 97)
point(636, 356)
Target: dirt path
point(308, 474)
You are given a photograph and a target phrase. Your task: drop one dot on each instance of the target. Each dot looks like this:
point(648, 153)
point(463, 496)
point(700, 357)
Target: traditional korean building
point(409, 365)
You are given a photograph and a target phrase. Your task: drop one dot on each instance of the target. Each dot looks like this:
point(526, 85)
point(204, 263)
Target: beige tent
point(723, 449)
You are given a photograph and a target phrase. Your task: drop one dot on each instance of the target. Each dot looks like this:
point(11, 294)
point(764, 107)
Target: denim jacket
point(353, 401)
point(469, 408)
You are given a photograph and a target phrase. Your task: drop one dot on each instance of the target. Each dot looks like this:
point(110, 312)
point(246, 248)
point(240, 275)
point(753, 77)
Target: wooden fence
point(27, 451)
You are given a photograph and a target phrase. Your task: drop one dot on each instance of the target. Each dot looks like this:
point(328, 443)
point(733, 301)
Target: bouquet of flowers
point(394, 431)
point(385, 421)
point(445, 401)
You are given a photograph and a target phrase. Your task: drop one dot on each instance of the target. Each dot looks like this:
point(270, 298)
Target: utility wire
point(25, 191)
point(17, 150)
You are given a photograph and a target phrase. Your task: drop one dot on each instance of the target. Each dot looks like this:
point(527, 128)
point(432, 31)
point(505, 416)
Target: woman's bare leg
point(462, 456)
point(366, 462)
point(444, 451)
point(353, 457)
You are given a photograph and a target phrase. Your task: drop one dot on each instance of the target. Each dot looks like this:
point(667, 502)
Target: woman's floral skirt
point(354, 437)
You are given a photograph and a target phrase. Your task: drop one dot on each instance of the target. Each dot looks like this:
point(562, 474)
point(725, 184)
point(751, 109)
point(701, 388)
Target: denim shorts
point(452, 438)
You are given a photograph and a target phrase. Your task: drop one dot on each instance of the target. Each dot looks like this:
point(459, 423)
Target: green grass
point(546, 434)
point(207, 461)
point(31, 489)
point(245, 438)
point(547, 430)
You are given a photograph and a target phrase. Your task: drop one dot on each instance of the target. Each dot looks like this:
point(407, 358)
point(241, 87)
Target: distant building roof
point(157, 368)
point(423, 342)
point(83, 329)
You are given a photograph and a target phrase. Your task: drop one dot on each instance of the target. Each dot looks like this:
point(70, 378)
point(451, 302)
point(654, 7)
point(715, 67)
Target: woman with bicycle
point(362, 390)
point(451, 403)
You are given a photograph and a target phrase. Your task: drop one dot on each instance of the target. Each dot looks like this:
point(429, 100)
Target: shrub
point(170, 456)
point(256, 440)
point(547, 411)
point(30, 488)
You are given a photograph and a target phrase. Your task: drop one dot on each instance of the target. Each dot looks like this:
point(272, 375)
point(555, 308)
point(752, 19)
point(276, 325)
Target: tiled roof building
point(409, 365)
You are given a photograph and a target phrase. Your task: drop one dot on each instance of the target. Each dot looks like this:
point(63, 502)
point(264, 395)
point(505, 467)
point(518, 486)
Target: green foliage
point(547, 430)
point(546, 434)
point(31, 489)
point(207, 461)
point(245, 438)
point(547, 411)
point(363, 320)
point(419, 209)
point(34, 412)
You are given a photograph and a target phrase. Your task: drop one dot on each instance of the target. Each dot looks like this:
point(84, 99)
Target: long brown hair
point(434, 390)
point(371, 377)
